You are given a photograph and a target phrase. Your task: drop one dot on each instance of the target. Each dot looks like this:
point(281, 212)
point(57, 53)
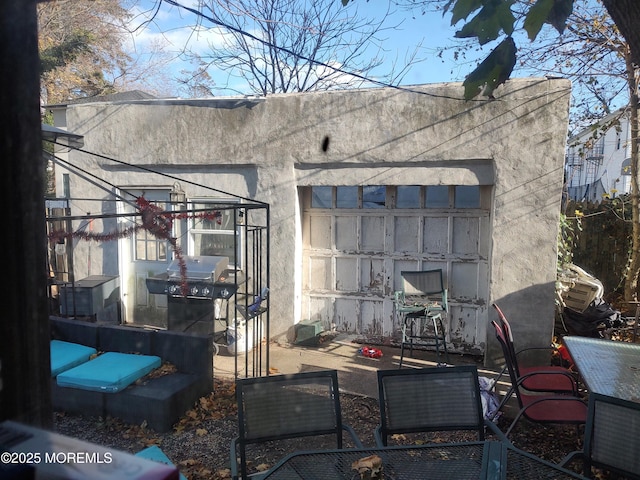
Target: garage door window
point(467, 197)
point(437, 196)
point(322, 197)
point(406, 196)
point(346, 197)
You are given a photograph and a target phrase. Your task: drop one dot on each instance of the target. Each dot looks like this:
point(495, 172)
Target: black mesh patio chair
point(539, 407)
point(280, 407)
point(611, 437)
point(433, 399)
point(420, 307)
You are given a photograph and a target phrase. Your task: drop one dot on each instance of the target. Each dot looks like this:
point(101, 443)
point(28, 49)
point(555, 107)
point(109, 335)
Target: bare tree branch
point(278, 46)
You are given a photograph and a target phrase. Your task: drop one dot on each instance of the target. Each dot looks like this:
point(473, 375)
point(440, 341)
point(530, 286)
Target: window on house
point(598, 148)
point(149, 247)
point(215, 233)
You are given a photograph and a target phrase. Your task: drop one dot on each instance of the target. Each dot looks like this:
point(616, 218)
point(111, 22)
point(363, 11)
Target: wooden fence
point(602, 247)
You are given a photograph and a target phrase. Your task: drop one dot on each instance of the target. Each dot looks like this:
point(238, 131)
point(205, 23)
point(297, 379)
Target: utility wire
point(305, 58)
point(149, 170)
point(86, 176)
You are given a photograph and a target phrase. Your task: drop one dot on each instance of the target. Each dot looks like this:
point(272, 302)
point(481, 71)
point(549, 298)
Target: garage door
point(357, 240)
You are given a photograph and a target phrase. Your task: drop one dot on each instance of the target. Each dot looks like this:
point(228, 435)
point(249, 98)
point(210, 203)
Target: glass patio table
point(462, 461)
point(607, 367)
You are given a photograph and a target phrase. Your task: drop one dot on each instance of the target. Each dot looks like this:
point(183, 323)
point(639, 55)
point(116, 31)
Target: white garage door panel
point(347, 233)
point(347, 274)
point(466, 327)
point(485, 238)
point(347, 314)
point(464, 281)
point(373, 312)
point(466, 233)
point(372, 275)
point(373, 233)
point(319, 277)
point(319, 309)
point(436, 234)
point(320, 232)
point(353, 259)
point(406, 234)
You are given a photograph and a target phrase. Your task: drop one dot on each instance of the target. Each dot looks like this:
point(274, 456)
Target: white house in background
point(598, 159)
point(361, 184)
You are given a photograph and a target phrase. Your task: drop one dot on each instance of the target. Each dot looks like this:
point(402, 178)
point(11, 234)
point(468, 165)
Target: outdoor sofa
point(103, 370)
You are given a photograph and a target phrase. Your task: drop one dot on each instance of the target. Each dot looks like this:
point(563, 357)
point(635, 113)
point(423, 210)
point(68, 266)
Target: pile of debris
point(583, 311)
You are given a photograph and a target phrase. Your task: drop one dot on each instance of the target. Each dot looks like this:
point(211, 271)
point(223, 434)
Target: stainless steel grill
point(200, 278)
point(192, 293)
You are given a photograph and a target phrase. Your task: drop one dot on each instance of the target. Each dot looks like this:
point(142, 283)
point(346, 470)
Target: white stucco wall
point(266, 148)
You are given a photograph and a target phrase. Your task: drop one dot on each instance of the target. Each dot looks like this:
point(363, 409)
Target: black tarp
point(598, 315)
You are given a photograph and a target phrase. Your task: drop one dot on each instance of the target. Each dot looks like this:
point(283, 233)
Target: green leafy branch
point(492, 19)
point(488, 20)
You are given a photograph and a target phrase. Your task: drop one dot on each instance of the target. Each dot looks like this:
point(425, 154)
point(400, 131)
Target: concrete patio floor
point(356, 373)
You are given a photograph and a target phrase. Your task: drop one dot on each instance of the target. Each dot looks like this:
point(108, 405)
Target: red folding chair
point(537, 378)
point(539, 408)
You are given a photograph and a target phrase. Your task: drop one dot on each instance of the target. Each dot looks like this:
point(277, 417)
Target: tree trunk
point(631, 284)
point(626, 15)
point(25, 372)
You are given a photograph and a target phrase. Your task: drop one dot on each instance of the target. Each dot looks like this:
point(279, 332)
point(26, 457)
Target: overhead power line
point(305, 58)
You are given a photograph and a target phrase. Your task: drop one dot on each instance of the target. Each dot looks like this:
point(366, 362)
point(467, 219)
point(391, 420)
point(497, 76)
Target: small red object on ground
point(370, 352)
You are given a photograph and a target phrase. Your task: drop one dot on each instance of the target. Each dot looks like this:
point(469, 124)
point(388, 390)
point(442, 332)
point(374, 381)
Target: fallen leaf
point(224, 473)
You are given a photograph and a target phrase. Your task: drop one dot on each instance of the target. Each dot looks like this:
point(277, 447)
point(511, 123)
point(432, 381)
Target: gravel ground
point(199, 443)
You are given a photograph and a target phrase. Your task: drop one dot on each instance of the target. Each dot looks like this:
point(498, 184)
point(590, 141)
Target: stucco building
point(360, 185)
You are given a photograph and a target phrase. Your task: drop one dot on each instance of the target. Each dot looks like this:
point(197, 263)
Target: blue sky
point(172, 27)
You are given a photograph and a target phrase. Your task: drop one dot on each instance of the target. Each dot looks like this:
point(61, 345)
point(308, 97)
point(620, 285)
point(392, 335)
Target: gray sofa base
point(159, 401)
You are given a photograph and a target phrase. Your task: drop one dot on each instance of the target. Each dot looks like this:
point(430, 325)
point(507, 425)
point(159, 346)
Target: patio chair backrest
point(429, 400)
point(423, 287)
point(279, 407)
point(287, 406)
point(508, 336)
point(509, 358)
point(427, 283)
point(612, 435)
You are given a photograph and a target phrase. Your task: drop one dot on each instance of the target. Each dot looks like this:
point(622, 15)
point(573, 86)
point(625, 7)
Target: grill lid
point(199, 268)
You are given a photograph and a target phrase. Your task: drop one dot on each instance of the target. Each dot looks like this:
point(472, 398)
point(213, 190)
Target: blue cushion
point(109, 372)
point(66, 355)
point(156, 454)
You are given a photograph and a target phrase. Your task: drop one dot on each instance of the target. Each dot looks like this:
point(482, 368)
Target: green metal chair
point(420, 307)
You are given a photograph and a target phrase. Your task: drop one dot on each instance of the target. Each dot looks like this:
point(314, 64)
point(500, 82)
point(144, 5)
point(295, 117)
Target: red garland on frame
point(154, 220)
